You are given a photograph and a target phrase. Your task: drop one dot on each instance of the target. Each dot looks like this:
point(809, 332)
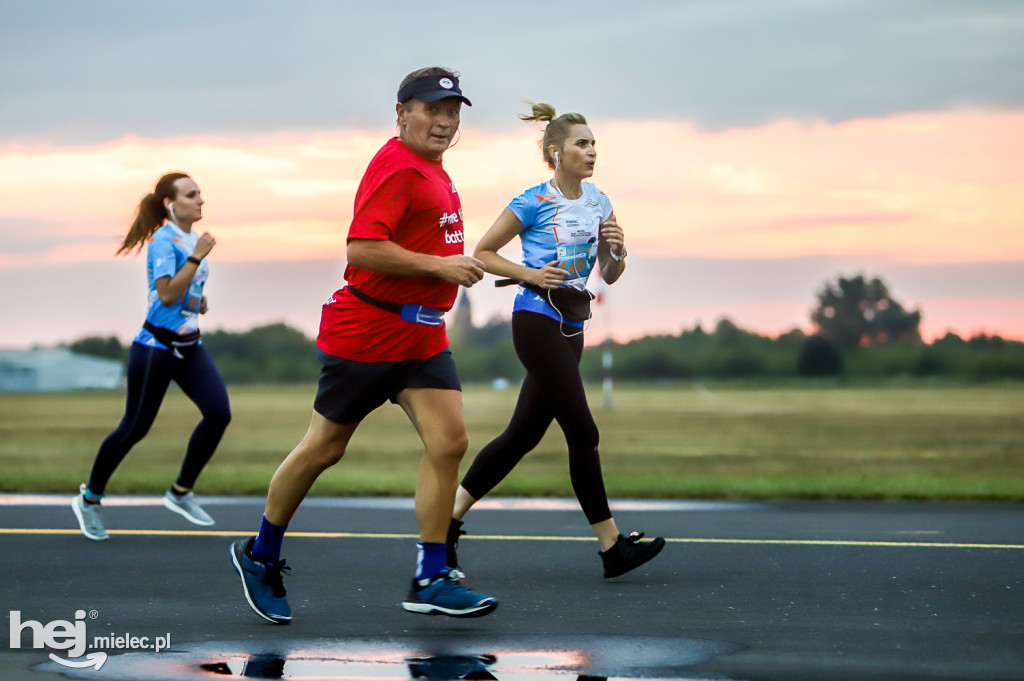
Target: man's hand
point(464, 270)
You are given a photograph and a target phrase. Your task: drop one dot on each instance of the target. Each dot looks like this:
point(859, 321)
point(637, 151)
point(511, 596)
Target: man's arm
point(387, 257)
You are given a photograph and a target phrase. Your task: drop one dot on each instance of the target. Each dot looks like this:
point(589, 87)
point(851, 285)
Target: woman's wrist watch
point(619, 258)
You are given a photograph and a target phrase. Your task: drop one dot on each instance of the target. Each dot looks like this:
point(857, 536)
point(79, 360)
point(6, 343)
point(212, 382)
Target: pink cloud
point(921, 188)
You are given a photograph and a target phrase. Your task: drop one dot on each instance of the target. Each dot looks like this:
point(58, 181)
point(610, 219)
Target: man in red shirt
point(382, 337)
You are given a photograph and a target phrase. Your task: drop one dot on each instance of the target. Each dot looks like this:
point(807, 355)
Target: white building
point(57, 370)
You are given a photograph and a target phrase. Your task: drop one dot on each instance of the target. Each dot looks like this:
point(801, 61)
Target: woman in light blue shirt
point(167, 348)
point(567, 228)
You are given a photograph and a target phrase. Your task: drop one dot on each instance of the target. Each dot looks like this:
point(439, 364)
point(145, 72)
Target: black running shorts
point(348, 391)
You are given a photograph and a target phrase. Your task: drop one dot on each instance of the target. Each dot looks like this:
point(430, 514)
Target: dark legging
point(553, 390)
point(150, 371)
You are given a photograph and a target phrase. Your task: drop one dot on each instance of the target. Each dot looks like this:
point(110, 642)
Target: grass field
point(948, 442)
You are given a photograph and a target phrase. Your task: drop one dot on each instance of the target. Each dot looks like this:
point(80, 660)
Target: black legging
point(150, 371)
point(553, 390)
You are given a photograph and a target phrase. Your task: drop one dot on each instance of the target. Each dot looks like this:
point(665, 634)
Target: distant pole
point(606, 355)
point(606, 361)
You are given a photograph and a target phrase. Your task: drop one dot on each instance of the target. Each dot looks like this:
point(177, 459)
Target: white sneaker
point(89, 518)
point(187, 506)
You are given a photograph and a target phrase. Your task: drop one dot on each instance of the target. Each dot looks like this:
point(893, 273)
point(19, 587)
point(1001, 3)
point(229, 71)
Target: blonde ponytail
point(557, 128)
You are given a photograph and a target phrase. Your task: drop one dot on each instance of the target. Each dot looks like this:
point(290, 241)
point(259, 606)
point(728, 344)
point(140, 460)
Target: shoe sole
point(81, 523)
point(180, 511)
point(658, 546)
point(431, 609)
point(245, 589)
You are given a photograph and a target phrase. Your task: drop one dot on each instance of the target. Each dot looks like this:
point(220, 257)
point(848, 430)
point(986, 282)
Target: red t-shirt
point(411, 201)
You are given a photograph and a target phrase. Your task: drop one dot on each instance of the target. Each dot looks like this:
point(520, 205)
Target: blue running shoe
point(445, 596)
point(262, 583)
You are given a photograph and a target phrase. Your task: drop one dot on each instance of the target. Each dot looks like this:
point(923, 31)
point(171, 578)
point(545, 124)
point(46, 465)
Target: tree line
point(860, 332)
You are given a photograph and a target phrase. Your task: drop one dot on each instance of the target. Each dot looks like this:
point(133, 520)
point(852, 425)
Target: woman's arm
point(611, 241)
point(171, 288)
point(504, 229)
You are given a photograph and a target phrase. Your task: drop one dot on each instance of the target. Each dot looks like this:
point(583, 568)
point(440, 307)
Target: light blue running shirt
point(555, 227)
point(165, 255)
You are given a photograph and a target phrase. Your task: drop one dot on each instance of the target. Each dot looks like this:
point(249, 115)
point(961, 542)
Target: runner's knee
point(320, 454)
point(218, 417)
point(448, 450)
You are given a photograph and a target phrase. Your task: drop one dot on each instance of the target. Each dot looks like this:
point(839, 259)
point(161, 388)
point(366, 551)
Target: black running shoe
point(629, 553)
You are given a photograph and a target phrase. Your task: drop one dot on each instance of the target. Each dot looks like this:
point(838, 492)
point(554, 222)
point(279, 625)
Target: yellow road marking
point(500, 537)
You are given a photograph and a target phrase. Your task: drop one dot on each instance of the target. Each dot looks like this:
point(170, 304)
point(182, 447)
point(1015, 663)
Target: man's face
point(429, 127)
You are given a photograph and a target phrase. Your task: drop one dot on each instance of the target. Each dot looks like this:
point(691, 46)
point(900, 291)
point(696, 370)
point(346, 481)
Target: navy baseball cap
point(432, 89)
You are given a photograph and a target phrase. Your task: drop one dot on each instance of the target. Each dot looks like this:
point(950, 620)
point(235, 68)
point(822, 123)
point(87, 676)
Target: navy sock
point(431, 559)
point(267, 547)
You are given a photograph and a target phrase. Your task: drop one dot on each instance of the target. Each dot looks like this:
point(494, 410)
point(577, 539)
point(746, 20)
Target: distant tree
point(99, 346)
point(274, 353)
point(857, 312)
point(727, 334)
point(819, 357)
point(495, 332)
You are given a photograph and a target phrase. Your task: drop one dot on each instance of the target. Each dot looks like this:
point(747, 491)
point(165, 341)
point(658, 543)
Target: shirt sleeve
point(524, 207)
point(161, 258)
point(381, 209)
point(606, 207)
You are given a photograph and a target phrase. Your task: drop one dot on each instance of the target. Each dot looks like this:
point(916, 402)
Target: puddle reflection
point(511, 658)
point(438, 667)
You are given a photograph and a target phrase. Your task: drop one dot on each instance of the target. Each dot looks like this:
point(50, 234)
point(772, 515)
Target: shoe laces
point(454, 576)
point(275, 570)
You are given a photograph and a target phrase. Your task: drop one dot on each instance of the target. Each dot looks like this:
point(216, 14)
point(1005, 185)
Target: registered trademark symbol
point(93, 614)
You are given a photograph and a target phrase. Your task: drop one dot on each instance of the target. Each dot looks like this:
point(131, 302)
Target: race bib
point(193, 300)
point(576, 259)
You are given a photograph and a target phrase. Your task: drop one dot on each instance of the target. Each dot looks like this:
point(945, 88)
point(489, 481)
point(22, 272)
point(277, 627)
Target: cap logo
point(446, 83)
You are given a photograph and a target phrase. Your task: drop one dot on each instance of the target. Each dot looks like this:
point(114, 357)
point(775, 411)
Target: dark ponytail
point(151, 213)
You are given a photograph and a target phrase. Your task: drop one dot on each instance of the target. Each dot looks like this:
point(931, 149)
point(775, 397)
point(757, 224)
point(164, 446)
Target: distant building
point(461, 318)
point(57, 370)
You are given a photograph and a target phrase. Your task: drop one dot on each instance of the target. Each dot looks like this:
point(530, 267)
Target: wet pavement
point(742, 591)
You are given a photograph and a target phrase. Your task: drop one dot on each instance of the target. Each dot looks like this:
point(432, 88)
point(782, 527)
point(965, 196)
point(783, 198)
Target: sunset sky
point(753, 151)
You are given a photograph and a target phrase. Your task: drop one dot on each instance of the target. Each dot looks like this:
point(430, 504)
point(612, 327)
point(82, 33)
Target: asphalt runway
point(742, 591)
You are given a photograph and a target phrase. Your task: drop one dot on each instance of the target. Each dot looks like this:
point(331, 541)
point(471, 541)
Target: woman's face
point(428, 128)
point(188, 202)
point(578, 153)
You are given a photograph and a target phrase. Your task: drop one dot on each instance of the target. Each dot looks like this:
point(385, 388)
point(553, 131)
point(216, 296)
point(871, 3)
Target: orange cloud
point(924, 187)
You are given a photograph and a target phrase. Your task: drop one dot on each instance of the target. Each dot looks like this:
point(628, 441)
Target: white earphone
point(556, 160)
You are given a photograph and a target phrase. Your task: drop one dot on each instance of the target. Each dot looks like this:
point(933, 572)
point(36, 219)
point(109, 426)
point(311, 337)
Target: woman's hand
point(549, 276)
point(204, 306)
point(204, 246)
point(612, 235)
point(611, 242)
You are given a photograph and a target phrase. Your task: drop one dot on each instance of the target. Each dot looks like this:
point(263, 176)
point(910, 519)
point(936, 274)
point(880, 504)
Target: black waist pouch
point(181, 344)
point(572, 303)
